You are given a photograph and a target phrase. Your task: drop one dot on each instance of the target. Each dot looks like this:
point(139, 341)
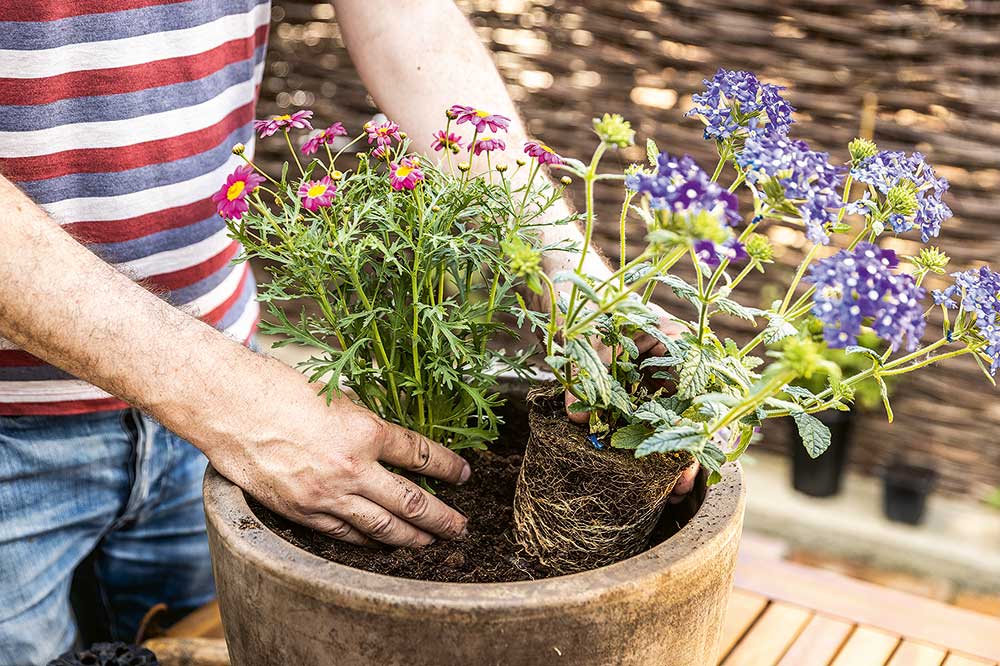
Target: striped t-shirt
point(118, 118)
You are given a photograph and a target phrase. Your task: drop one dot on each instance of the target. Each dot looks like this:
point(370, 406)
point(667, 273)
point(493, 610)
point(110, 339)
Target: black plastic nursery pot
point(822, 476)
point(283, 605)
point(905, 491)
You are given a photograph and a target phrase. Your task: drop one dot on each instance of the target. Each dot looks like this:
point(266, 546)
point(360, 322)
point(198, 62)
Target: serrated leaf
point(778, 328)
point(680, 438)
point(637, 272)
point(856, 349)
point(681, 288)
point(556, 362)
point(630, 437)
point(592, 376)
point(655, 413)
point(660, 362)
point(799, 392)
point(733, 308)
point(652, 152)
point(579, 281)
point(694, 374)
point(815, 436)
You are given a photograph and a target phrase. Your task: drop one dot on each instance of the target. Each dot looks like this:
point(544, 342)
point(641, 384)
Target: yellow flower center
point(403, 171)
point(235, 190)
point(545, 148)
point(316, 190)
point(482, 114)
point(284, 117)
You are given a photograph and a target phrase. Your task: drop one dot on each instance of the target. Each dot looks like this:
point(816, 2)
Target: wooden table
point(787, 614)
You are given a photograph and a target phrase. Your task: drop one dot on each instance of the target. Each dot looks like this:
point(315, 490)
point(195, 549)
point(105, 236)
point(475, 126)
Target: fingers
point(413, 452)
point(337, 528)
point(408, 501)
point(685, 483)
point(377, 523)
point(575, 417)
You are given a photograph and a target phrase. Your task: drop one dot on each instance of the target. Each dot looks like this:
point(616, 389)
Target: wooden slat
point(867, 647)
point(770, 636)
point(963, 660)
point(743, 609)
point(862, 603)
point(911, 653)
point(203, 623)
point(818, 643)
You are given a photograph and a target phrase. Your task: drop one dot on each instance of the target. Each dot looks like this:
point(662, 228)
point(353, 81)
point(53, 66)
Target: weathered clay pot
point(281, 605)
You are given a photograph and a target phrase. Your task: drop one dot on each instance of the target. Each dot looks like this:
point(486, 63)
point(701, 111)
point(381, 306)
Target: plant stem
point(295, 156)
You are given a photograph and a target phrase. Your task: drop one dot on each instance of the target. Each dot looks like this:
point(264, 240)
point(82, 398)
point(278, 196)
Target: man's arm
point(419, 57)
point(259, 422)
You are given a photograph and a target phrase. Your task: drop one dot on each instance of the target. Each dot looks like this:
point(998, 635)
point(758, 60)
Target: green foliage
point(400, 291)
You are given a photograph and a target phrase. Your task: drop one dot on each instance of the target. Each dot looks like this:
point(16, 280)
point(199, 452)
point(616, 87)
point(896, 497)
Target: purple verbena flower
point(680, 185)
point(712, 254)
point(857, 285)
point(809, 181)
point(887, 169)
point(736, 102)
point(978, 291)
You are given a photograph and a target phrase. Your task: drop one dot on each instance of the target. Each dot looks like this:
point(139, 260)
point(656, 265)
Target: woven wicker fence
point(929, 70)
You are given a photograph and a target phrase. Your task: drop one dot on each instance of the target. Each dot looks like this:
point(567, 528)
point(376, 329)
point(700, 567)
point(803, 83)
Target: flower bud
point(565, 180)
point(931, 259)
point(361, 156)
point(464, 166)
point(501, 168)
point(902, 198)
point(520, 161)
point(615, 131)
point(802, 356)
point(346, 210)
point(759, 248)
point(336, 175)
point(402, 135)
point(435, 208)
point(861, 150)
point(239, 149)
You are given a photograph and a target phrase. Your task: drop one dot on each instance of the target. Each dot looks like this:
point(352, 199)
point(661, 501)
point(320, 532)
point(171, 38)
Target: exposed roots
point(578, 507)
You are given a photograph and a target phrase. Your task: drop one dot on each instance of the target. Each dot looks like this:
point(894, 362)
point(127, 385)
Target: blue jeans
point(115, 488)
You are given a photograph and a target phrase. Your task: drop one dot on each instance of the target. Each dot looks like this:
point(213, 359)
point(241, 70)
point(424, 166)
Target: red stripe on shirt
point(19, 10)
point(188, 276)
point(118, 80)
point(213, 317)
point(117, 231)
point(110, 160)
point(61, 408)
point(16, 358)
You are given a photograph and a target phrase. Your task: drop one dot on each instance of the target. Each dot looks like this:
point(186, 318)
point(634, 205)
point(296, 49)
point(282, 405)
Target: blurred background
point(919, 75)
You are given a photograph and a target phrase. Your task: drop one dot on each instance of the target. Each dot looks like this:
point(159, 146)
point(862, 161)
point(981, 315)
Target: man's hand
point(648, 346)
point(320, 466)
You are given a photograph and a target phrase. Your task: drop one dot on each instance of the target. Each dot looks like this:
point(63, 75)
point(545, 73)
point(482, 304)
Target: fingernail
point(466, 474)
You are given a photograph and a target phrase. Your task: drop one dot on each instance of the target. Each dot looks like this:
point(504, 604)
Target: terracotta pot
point(281, 605)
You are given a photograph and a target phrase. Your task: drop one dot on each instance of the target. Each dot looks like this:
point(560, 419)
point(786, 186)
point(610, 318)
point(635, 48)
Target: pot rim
point(715, 524)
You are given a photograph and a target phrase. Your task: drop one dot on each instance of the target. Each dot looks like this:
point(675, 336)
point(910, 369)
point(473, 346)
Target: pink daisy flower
point(480, 119)
point(380, 152)
point(382, 133)
point(406, 174)
point(449, 140)
point(321, 138)
point(297, 120)
point(542, 153)
point(487, 144)
point(231, 199)
point(316, 194)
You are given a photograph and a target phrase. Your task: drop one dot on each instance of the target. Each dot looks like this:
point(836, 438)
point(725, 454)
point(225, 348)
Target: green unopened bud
point(464, 166)
point(501, 168)
point(902, 198)
point(402, 135)
point(520, 161)
point(615, 131)
point(336, 175)
point(803, 356)
point(361, 156)
point(703, 226)
point(524, 260)
point(930, 259)
point(861, 150)
point(239, 149)
point(346, 210)
point(435, 208)
point(633, 169)
point(759, 248)
point(565, 180)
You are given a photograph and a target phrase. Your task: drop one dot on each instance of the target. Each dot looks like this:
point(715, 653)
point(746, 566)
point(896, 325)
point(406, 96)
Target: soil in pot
point(581, 504)
point(490, 553)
